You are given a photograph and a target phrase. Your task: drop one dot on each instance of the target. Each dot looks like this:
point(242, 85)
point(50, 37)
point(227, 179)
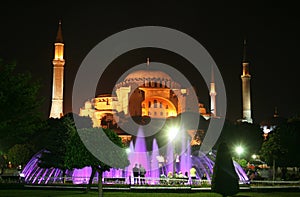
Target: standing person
point(193, 172)
point(135, 171)
point(142, 174)
point(177, 162)
point(161, 164)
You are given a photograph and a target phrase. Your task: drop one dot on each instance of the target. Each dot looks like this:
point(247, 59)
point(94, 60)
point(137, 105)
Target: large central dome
point(147, 74)
point(148, 78)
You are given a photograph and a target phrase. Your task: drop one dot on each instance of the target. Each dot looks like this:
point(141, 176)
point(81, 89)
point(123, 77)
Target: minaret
point(276, 115)
point(148, 61)
point(246, 89)
point(213, 93)
point(58, 76)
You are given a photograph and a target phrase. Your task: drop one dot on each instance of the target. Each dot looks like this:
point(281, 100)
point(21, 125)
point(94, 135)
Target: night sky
point(28, 33)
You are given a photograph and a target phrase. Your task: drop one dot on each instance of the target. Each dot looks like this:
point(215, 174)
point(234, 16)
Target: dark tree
point(79, 156)
point(225, 180)
point(20, 115)
point(279, 148)
point(55, 139)
point(2, 163)
point(273, 149)
point(291, 136)
point(20, 154)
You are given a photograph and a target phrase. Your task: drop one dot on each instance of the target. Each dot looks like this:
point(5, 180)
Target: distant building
point(145, 93)
point(150, 93)
point(270, 124)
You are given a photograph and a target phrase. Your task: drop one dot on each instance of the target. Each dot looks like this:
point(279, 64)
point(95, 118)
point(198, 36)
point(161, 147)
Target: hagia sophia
point(146, 92)
point(150, 93)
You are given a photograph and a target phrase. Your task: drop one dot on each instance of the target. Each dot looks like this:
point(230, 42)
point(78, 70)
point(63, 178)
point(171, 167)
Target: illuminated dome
point(148, 78)
point(147, 74)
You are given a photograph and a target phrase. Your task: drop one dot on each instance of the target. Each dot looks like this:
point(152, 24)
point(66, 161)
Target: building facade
point(150, 93)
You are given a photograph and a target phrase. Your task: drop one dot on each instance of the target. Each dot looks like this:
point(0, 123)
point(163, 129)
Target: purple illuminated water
point(35, 174)
point(138, 154)
point(154, 172)
point(170, 157)
point(185, 156)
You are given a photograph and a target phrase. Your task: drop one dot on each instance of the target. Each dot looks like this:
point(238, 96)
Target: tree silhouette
point(55, 138)
point(20, 116)
point(79, 156)
point(225, 180)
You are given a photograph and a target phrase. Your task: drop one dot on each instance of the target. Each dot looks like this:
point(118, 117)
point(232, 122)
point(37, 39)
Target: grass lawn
point(67, 193)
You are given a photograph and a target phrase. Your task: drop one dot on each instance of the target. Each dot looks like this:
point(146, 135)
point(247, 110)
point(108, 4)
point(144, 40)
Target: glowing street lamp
point(172, 132)
point(239, 150)
point(128, 150)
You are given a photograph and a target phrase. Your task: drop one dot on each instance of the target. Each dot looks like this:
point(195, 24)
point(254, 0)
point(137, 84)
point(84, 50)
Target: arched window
point(155, 103)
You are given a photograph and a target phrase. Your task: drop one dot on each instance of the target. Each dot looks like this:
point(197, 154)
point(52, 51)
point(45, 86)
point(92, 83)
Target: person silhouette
point(142, 174)
point(193, 172)
point(136, 173)
point(204, 177)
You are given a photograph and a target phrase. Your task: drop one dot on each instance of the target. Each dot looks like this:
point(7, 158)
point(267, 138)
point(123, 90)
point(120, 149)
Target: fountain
point(138, 154)
point(154, 173)
point(35, 174)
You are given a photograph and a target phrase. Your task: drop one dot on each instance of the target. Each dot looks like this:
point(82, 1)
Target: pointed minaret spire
point(213, 93)
point(276, 113)
point(58, 76)
point(148, 61)
point(212, 75)
point(245, 51)
point(59, 37)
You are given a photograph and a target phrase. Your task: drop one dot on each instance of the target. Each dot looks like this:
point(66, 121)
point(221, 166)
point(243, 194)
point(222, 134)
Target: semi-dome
point(88, 105)
point(147, 74)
